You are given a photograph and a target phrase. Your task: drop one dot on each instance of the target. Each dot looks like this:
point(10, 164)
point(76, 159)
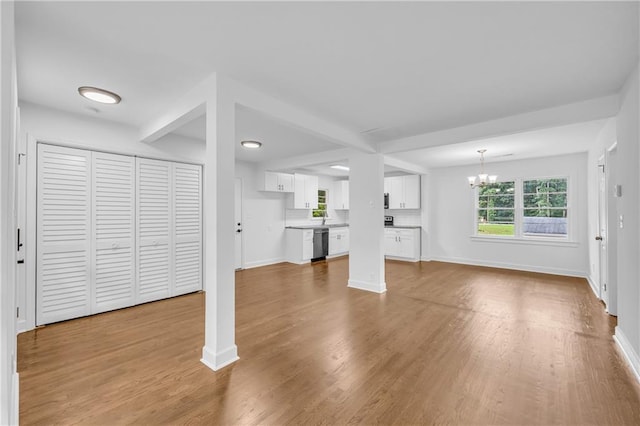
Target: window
point(545, 207)
point(523, 208)
point(496, 208)
point(322, 204)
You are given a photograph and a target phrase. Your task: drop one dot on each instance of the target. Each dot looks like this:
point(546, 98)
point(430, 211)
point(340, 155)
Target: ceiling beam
point(592, 109)
point(405, 165)
point(299, 118)
point(306, 160)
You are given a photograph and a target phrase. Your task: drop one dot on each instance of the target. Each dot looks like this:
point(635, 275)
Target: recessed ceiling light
point(251, 144)
point(99, 95)
point(339, 167)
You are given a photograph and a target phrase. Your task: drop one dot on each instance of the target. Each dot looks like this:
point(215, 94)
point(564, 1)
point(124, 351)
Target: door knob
point(238, 230)
point(598, 238)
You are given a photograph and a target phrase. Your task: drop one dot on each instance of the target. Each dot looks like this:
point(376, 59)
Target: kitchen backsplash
point(295, 217)
point(405, 217)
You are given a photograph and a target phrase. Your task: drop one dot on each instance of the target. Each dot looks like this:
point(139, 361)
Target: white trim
point(595, 288)
point(266, 262)
point(527, 241)
point(627, 350)
point(403, 259)
point(502, 265)
point(425, 259)
point(367, 286)
point(221, 359)
point(15, 415)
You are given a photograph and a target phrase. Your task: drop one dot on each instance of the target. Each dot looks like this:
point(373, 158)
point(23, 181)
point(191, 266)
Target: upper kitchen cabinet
point(340, 193)
point(404, 191)
point(278, 182)
point(305, 191)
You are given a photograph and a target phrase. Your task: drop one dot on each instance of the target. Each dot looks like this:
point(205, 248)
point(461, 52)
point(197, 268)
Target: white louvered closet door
point(154, 229)
point(187, 207)
point(63, 222)
point(113, 189)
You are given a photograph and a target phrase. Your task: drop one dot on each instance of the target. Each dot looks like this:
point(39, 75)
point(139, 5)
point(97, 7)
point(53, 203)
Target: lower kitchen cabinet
point(402, 243)
point(299, 245)
point(338, 241)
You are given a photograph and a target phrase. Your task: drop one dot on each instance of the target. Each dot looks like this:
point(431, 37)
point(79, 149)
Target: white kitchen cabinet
point(278, 182)
point(340, 191)
point(402, 243)
point(305, 193)
point(338, 241)
point(404, 191)
point(298, 245)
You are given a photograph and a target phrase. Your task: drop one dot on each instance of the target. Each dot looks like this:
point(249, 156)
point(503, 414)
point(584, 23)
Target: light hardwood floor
point(446, 344)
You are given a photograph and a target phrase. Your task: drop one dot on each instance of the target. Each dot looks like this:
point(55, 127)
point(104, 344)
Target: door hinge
point(20, 155)
point(18, 312)
point(605, 286)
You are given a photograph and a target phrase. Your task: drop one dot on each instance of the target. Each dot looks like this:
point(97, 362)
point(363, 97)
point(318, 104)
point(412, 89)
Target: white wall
point(9, 383)
point(451, 218)
point(628, 134)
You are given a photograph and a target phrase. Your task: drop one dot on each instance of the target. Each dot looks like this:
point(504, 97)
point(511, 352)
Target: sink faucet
point(324, 216)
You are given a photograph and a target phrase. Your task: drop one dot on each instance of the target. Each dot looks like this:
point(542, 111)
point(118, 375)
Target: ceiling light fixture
point(339, 167)
point(99, 95)
point(251, 144)
point(482, 179)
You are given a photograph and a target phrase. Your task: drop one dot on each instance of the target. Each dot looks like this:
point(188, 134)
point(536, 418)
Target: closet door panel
point(154, 229)
point(113, 229)
point(188, 228)
point(63, 222)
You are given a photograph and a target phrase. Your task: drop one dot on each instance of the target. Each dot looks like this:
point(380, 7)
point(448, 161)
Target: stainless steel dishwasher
point(320, 244)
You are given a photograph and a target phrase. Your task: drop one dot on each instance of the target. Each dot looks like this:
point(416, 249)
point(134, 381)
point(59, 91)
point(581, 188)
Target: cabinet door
point(63, 223)
point(154, 229)
point(390, 242)
point(307, 244)
point(345, 194)
point(285, 180)
point(270, 181)
point(113, 224)
point(187, 208)
point(311, 190)
point(396, 192)
point(411, 192)
point(334, 243)
point(405, 244)
point(299, 192)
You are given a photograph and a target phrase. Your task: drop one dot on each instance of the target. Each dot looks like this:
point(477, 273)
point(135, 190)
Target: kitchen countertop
point(328, 225)
point(404, 226)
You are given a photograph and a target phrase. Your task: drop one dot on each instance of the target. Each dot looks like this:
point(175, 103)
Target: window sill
point(525, 241)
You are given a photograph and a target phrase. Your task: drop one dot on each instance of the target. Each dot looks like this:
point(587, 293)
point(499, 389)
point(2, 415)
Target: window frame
point(519, 236)
point(326, 204)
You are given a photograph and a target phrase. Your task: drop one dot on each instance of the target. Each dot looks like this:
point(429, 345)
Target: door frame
point(238, 202)
point(611, 207)
point(602, 232)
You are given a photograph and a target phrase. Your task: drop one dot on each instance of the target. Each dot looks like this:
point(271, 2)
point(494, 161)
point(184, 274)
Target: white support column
point(366, 222)
point(219, 349)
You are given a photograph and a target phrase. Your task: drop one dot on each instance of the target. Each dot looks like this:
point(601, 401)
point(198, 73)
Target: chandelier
point(482, 179)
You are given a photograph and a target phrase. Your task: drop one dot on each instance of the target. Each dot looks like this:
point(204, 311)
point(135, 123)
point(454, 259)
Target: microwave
point(386, 200)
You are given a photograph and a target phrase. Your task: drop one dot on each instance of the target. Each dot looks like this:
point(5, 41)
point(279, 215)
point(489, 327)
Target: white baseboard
point(266, 262)
point(594, 287)
point(425, 259)
point(221, 359)
point(627, 350)
point(528, 268)
point(403, 259)
point(367, 286)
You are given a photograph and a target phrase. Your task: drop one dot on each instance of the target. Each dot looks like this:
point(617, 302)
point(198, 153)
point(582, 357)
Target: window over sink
point(321, 211)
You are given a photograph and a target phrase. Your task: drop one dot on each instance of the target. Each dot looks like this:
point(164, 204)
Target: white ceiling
point(279, 140)
point(538, 143)
point(389, 69)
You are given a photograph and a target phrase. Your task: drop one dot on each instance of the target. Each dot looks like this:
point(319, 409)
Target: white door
point(601, 237)
point(187, 238)
point(238, 223)
point(154, 226)
point(113, 225)
point(63, 229)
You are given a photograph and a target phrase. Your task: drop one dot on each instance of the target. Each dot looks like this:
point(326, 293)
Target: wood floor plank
point(447, 344)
